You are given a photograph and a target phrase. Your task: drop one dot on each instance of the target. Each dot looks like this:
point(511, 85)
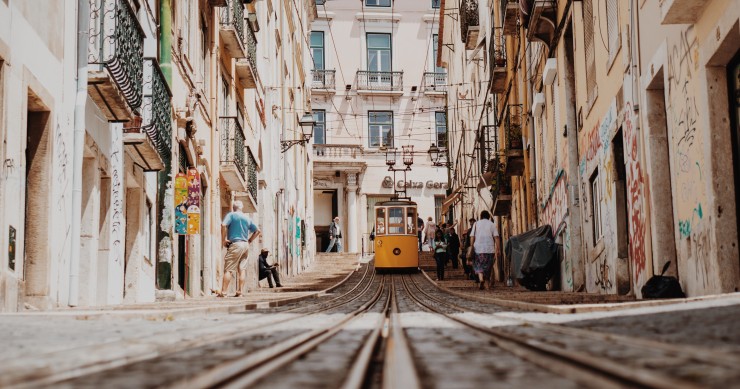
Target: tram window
point(380, 221)
point(411, 220)
point(395, 221)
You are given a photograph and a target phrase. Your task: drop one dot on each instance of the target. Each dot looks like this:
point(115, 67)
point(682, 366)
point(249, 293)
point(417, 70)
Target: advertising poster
point(181, 204)
point(193, 209)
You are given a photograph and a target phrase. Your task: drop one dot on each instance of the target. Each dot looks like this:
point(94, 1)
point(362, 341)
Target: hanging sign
point(193, 202)
point(181, 204)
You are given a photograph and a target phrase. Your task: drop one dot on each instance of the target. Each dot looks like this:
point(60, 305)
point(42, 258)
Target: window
point(612, 29)
point(380, 221)
point(378, 3)
point(380, 128)
point(411, 221)
point(225, 100)
point(437, 69)
point(317, 49)
point(438, 208)
point(379, 52)
point(320, 2)
point(588, 42)
point(440, 124)
point(435, 3)
point(395, 221)
point(319, 130)
point(596, 206)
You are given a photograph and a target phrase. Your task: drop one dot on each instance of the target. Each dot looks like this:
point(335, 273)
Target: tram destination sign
point(411, 184)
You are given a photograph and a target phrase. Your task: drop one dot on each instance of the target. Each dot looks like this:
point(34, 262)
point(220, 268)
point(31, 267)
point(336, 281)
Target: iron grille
point(252, 171)
point(251, 43)
point(232, 144)
point(513, 123)
point(157, 108)
point(116, 43)
point(383, 81)
point(233, 16)
point(468, 17)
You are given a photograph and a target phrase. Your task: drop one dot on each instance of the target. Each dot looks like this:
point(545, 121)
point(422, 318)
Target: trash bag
point(532, 255)
point(662, 287)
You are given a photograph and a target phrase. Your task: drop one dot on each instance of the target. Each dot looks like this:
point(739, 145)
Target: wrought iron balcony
point(501, 190)
point(151, 142)
point(542, 20)
point(380, 81)
point(116, 59)
point(514, 143)
point(497, 61)
point(323, 79)
point(252, 171)
point(509, 16)
point(231, 19)
point(435, 82)
point(469, 23)
point(233, 162)
point(246, 68)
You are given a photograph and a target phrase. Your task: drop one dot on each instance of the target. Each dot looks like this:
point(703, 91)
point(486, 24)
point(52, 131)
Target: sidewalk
point(325, 272)
point(518, 297)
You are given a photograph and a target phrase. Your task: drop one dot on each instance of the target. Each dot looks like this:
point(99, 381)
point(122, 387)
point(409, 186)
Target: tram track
point(595, 358)
point(123, 371)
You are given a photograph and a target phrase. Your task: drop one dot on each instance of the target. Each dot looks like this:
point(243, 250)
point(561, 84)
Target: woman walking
point(429, 231)
point(484, 240)
point(439, 246)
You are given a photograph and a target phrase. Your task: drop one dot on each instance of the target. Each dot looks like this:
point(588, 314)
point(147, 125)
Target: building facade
point(118, 103)
point(627, 123)
point(382, 93)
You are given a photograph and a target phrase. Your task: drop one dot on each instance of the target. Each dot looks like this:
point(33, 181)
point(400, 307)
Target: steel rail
point(246, 371)
point(585, 368)
point(697, 353)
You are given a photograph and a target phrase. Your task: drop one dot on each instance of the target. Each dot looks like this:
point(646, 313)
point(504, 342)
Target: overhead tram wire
point(364, 27)
point(423, 70)
point(308, 43)
point(341, 71)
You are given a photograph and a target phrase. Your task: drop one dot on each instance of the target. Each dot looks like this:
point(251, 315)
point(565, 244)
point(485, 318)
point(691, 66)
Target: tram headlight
point(397, 251)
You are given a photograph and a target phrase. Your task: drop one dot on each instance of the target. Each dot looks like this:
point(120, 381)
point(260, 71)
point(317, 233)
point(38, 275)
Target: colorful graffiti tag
point(556, 206)
point(636, 196)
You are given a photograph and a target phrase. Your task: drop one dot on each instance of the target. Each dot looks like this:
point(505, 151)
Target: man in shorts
point(237, 232)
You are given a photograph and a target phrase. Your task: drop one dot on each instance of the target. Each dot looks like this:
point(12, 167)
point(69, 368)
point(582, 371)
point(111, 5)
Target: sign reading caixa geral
point(410, 184)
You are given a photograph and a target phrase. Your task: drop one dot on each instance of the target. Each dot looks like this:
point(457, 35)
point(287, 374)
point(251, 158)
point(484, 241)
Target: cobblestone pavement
point(456, 336)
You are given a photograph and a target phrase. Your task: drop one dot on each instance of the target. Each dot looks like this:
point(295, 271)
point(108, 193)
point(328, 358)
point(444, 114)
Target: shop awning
point(450, 200)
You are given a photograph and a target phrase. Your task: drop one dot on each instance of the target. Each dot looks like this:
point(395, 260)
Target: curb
point(579, 308)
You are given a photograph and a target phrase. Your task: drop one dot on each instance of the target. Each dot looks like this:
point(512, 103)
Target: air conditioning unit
point(539, 104)
point(551, 70)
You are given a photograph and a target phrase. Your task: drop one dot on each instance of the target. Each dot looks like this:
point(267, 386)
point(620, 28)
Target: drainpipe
point(164, 274)
point(83, 24)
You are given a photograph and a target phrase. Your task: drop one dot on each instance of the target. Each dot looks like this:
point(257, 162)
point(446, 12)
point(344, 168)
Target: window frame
point(437, 127)
point(389, 49)
point(390, 3)
point(322, 47)
point(437, 2)
point(320, 126)
point(596, 217)
point(370, 124)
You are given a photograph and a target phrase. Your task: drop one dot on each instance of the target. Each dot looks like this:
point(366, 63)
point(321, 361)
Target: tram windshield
point(395, 221)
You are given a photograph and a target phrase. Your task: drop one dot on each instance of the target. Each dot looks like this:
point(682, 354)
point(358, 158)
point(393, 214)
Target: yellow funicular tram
point(396, 242)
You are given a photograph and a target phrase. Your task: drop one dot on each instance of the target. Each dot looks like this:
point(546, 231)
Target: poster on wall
point(181, 204)
point(193, 209)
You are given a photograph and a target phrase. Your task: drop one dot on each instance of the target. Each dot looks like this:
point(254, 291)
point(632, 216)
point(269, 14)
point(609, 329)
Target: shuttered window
point(612, 23)
point(588, 37)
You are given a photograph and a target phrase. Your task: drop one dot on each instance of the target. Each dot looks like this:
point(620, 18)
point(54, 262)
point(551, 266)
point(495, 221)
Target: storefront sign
point(410, 184)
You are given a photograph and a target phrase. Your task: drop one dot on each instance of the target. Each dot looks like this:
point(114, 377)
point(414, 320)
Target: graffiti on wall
point(603, 279)
point(62, 180)
point(636, 192)
point(555, 208)
point(117, 222)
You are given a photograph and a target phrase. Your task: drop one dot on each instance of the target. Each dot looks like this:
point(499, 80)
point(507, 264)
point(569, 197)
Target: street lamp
point(390, 156)
point(437, 155)
point(307, 123)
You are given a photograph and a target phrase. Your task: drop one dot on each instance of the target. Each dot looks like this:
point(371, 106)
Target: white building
point(375, 86)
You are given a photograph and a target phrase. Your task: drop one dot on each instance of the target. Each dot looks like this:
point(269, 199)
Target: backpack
point(662, 286)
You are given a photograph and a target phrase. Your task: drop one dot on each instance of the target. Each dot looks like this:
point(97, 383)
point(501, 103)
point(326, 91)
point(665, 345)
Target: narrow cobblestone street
point(351, 329)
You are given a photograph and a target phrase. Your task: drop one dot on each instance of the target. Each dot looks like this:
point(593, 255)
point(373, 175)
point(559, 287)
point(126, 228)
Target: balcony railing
point(468, 17)
point(435, 82)
point(116, 43)
point(250, 42)
point(514, 127)
point(497, 61)
point(157, 109)
point(252, 175)
point(379, 81)
point(231, 18)
point(336, 151)
point(323, 79)
point(232, 144)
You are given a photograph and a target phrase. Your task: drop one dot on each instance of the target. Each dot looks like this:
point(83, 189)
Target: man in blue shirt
point(237, 232)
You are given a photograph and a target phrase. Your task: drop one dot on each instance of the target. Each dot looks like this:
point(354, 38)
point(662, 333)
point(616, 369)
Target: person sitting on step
point(268, 271)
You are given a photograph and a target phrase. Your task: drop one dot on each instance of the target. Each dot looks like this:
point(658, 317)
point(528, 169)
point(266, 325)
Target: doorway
point(733, 79)
point(619, 175)
point(326, 207)
point(36, 269)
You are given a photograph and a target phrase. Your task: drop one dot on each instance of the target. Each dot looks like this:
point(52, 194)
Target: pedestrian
point(429, 231)
point(335, 235)
point(268, 271)
point(237, 233)
point(484, 240)
point(419, 231)
point(467, 261)
point(453, 246)
point(439, 246)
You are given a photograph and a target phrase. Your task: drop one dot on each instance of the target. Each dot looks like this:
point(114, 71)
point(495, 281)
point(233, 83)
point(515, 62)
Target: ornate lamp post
point(407, 158)
point(438, 156)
